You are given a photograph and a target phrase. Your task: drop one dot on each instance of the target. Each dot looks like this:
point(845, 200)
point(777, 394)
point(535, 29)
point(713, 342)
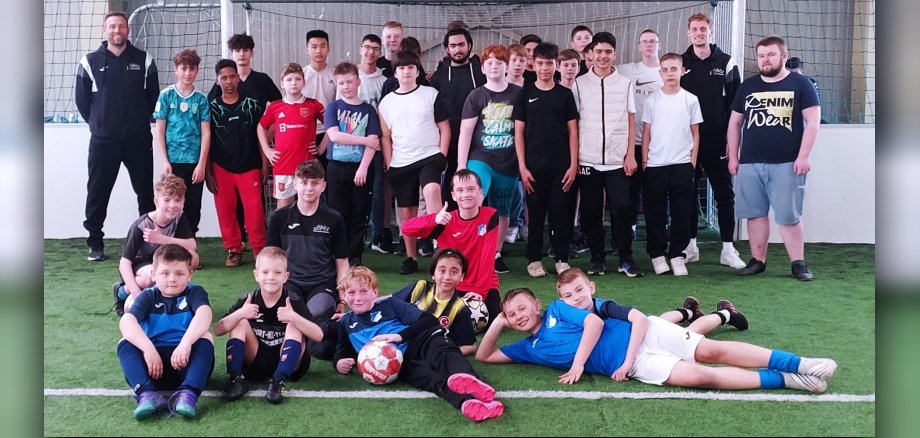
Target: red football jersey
point(295, 130)
point(476, 238)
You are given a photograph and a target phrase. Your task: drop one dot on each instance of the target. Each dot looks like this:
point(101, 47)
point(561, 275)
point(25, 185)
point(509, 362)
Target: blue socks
point(784, 361)
point(134, 367)
point(122, 293)
point(770, 379)
point(236, 352)
point(290, 354)
point(200, 365)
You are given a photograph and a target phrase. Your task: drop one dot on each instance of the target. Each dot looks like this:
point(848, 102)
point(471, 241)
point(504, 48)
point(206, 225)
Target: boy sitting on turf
point(441, 299)
point(267, 329)
point(164, 225)
point(648, 349)
point(168, 323)
point(431, 360)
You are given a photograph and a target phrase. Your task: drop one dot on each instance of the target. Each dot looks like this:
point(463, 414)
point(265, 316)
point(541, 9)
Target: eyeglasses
point(371, 48)
point(648, 42)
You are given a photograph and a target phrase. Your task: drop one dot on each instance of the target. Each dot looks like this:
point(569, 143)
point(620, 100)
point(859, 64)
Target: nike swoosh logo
point(639, 84)
point(687, 71)
point(532, 100)
point(292, 226)
point(722, 157)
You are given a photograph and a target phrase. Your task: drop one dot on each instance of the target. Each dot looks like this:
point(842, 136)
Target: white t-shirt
point(319, 85)
point(411, 120)
point(647, 81)
point(670, 117)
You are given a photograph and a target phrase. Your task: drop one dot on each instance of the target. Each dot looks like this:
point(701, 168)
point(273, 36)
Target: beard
point(770, 72)
point(460, 58)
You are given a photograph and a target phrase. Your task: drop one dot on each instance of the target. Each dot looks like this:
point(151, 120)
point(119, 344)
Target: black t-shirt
point(234, 143)
point(773, 123)
point(140, 252)
point(257, 85)
point(312, 243)
point(546, 135)
point(267, 328)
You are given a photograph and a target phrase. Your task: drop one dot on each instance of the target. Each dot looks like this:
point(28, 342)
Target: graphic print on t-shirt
point(497, 126)
point(770, 108)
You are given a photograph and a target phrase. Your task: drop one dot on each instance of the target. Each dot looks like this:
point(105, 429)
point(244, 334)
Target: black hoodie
point(714, 81)
point(116, 95)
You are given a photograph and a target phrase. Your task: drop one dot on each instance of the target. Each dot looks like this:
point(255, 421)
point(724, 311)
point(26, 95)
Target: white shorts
point(664, 345)
point(283, 186)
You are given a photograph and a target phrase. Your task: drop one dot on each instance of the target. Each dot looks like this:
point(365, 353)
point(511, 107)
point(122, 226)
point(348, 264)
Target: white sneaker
point(511, 235)
point(730, 258)
point(693, 253)
point(660, 265)
point(535, 269)
point(804, 383)
point(819, 367)
point(561, 267)
point(679, 265)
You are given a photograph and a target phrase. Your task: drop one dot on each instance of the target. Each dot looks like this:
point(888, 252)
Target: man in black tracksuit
point(713, 77)
point(116, 90)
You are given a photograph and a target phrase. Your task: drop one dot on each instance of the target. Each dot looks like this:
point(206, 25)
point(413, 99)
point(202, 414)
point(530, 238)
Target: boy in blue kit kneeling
point(267, 330)
point(431, 360)
point(168, 323)
point(648, 349)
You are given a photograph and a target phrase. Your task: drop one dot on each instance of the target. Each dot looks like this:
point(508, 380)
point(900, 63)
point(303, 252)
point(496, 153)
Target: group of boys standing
point(615, 129)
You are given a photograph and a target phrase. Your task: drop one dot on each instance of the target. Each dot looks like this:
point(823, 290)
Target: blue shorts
point(497, 187)
point(761, 185)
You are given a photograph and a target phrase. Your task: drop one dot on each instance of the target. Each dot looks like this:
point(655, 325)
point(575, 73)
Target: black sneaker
point(500, 266)
point(400, 248)
point(386, 241)
point(737, 319)
point(409, 266)
point(630, 269)
point(96, 254)
point(597, 267)
point(425, 247)
point(236, 388)
point(753, 267)
point(693, 305)
point(119, 302)
point(800, 271)
point(275, 391)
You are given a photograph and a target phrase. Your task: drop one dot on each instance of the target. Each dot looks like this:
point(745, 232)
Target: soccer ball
point(379, 362)
point(479, 314)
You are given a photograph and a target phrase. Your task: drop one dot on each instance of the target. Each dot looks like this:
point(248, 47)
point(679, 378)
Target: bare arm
point(366, 160)
point(126, 269)
point(488, 349)
point(386, 143)
point(639, 326)
point(812, 116)
point(199, 172)
point(467, 350)
point(160, 144)
point(589, 337)
point(629, 162)
point(444, 130)
point(734, 141)
point(526, 176)
point(695, 133)
point(271, 154)
point(467, 126)
point(646, 141)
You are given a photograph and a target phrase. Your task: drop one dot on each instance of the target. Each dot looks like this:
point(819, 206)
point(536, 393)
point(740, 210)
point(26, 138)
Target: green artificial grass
point(833, 316)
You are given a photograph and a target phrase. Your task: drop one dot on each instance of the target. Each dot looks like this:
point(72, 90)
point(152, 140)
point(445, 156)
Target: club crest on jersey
point(281, 189)
point(716, 71)
point(481, 230)
point(134, 66)
point(376, 316)
point(304, 112)
point(444, 321)
point(181, 303)
point(552, 321)
point(183, 106)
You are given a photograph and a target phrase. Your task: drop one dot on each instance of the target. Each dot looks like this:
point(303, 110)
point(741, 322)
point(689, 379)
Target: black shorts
point(406, 180)
point(265, 363)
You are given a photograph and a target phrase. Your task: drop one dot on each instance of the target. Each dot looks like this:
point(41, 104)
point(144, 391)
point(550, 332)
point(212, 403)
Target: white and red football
point(379, 362)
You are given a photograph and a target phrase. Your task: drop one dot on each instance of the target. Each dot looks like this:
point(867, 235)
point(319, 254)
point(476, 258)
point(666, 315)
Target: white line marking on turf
point(585, 395)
